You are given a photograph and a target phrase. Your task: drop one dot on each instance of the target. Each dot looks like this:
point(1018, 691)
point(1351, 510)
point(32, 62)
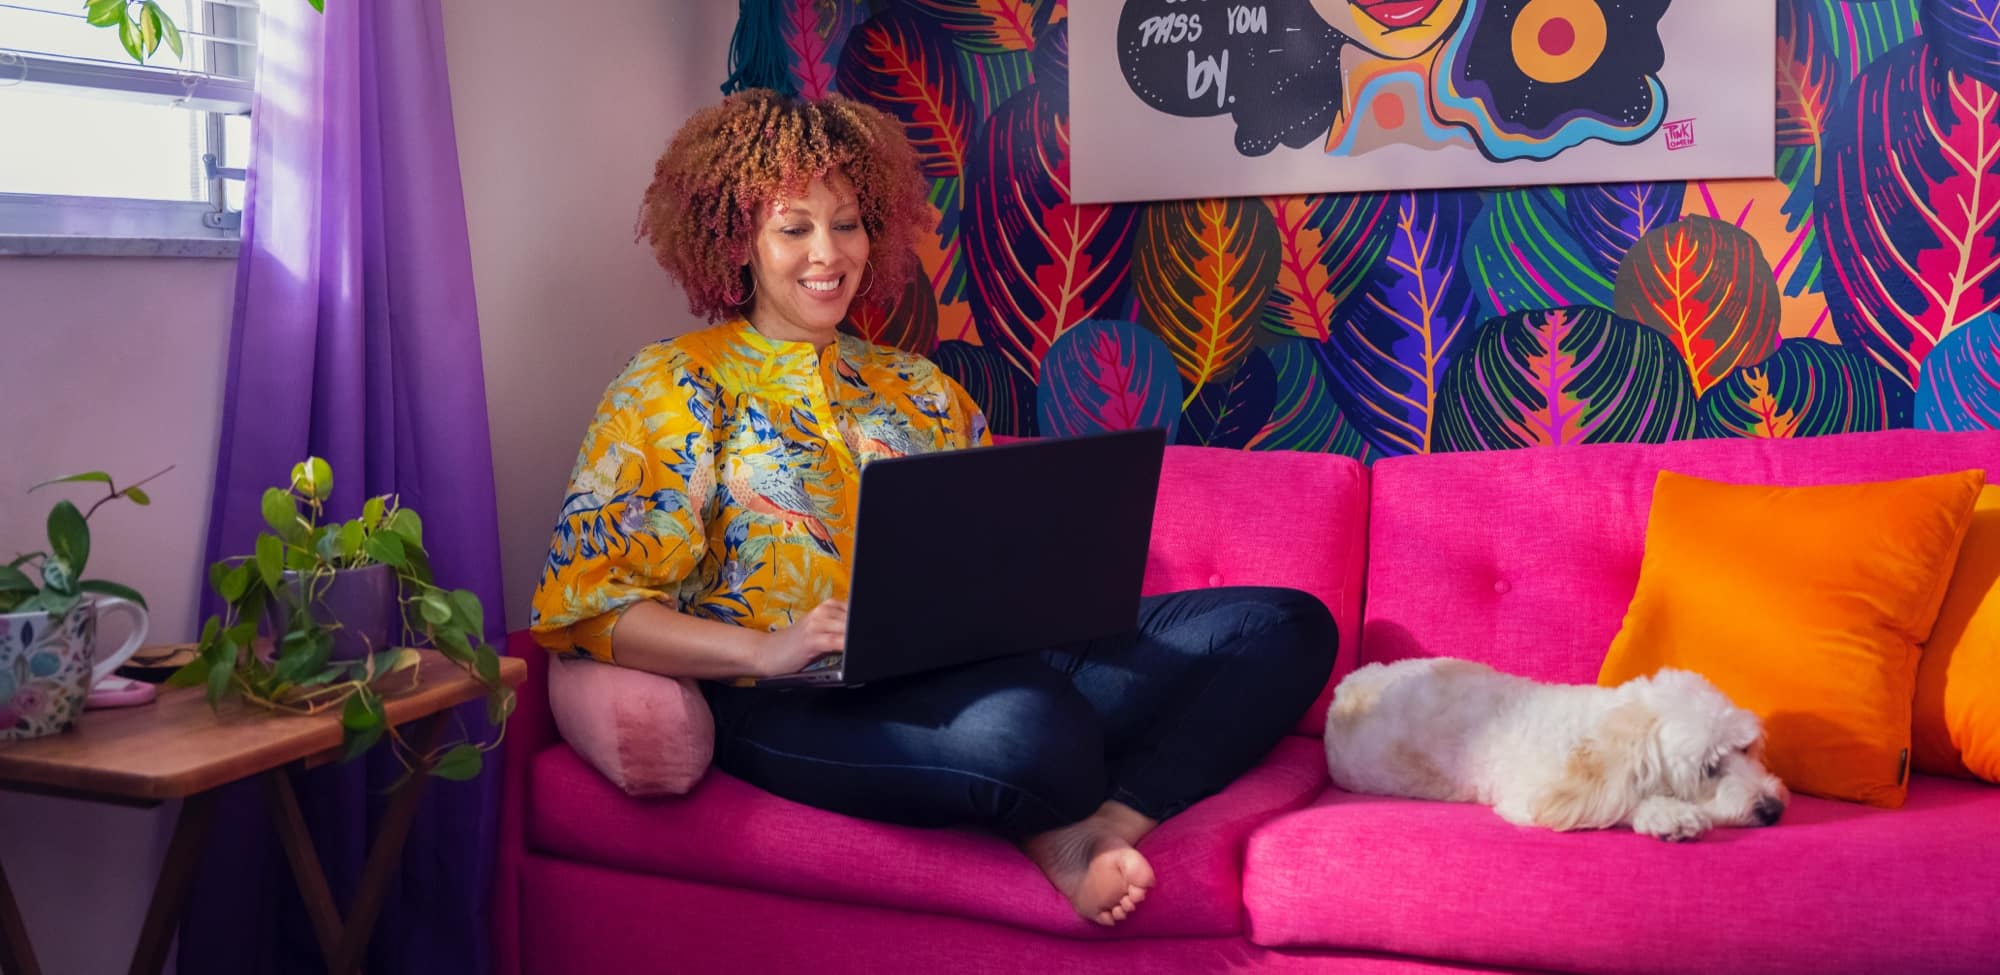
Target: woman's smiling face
point(808, 262)
point(1394, 29)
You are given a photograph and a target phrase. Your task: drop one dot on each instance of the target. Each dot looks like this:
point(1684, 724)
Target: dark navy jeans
point(1157, 720)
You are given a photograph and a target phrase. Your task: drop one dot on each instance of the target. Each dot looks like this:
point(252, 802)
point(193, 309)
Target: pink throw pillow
point(650, 735)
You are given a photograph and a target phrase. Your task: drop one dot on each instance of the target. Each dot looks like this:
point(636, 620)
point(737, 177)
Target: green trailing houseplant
point(274, 644)
point(57, 583)
point(142, 25)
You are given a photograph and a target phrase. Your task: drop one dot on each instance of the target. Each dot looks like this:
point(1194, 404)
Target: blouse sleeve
point(967, 421)
point(631, 522)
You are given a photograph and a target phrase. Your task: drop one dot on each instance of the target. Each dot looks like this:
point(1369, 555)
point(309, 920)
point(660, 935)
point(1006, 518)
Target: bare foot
point(1094, 864)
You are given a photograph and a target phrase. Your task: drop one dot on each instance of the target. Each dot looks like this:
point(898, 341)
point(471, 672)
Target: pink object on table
point(119, 692)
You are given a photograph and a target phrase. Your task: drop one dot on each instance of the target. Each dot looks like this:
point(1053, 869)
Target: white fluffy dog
point(1669, 754)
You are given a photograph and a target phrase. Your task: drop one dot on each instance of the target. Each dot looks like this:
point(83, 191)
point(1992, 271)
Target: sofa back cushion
point(1527, 559)
point(1265, 518)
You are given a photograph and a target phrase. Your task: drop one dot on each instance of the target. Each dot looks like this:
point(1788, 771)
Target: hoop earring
point(752, 293)
point(863, 293)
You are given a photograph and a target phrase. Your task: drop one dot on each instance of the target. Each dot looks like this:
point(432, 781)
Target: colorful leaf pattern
point(985, 26)
point(1909, 207)
point(1360, 313)
point(1108, 375)
point(1704, 285)
point(1201, 270)
point(1040, 264)
point(911, 324)
point(1392, 344)
point(1961, 380)
point(1609, 218)
point(1522, 254)
point(1232, 412)
point(1327, 245)
point(1305, 416)
point(1005, 393)
point(1807, 388)
point(1563, 376)
point(1966, 36)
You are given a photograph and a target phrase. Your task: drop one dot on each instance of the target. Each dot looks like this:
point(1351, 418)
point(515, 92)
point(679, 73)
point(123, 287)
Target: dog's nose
point(1768, 810)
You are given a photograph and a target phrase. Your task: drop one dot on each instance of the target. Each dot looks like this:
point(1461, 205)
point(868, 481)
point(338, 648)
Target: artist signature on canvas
point(1680, 134)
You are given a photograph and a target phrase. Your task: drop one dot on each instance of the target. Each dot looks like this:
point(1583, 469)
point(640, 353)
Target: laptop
point(965, 555)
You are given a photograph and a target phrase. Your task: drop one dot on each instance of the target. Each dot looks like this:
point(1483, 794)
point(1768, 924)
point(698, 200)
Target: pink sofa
point(1524, 559)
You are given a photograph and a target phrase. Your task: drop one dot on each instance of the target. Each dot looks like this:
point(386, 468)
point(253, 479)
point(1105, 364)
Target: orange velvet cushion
point(1806, 605)
point(1956, 730)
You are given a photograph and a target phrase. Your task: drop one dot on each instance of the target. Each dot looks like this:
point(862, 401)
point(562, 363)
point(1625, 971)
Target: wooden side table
point(177, 748)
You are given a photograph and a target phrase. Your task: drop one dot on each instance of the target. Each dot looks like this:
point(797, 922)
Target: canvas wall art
point(1191, 98)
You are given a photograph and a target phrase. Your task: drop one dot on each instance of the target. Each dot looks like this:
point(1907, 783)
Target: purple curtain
point(356, 339)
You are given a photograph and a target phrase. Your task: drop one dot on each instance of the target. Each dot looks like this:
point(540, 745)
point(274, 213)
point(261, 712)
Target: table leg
point(17, 955)
point(306, 872)
point(384, 857)
point(170, 891)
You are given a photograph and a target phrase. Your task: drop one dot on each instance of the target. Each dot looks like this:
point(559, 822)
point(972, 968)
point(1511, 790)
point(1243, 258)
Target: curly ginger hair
point(733, 159)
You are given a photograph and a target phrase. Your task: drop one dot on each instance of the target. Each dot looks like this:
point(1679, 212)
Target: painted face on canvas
point(1394, 29)
point(808, 262)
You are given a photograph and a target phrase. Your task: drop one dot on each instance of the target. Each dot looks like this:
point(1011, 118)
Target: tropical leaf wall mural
point(1858, 288)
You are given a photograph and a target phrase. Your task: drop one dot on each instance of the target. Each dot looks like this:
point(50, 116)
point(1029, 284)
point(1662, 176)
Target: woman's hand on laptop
point(818, 633)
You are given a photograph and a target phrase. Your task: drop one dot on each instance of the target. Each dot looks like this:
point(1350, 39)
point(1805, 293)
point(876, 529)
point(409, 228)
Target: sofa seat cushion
point(1834, 887)
point(727, 832)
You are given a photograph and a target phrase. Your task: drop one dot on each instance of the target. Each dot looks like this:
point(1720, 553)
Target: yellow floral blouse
point(720, 474)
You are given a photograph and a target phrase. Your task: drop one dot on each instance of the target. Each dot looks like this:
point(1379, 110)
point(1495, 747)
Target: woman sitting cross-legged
point(709, 524)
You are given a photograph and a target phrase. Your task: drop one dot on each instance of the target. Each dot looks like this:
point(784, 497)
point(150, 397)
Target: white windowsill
point(82, 245)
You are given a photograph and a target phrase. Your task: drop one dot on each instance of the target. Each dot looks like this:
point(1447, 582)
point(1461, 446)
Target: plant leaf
point(103, 13)
point(371, 511)
point(220, 670)
point(97, 476)
point(234, 582)
point(468, 611)
point(193, 674)
point(14, 580)
point(362, 713)
point(270, 559)
point(111, 589)
point(436, 608)
point(486, 664)
point(499, 705)
point(319, 5)
point(348, 544)
point(358, 743)
point(69, 536)
point(149, 28)
point(138, 497)
point(171, 33)
point(128, 36)
point(406, 523)
point(462, 762)
point(386, 549)
point(281, 512)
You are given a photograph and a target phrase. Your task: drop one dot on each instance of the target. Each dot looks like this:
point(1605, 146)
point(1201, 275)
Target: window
point(94, 144)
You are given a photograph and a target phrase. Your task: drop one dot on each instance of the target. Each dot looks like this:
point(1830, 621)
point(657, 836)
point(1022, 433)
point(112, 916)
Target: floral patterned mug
point(47, 666)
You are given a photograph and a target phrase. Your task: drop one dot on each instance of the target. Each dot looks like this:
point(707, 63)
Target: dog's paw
point(1675, 822)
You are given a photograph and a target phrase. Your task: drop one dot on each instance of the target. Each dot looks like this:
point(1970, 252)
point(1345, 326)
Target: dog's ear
point(1601, 776)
